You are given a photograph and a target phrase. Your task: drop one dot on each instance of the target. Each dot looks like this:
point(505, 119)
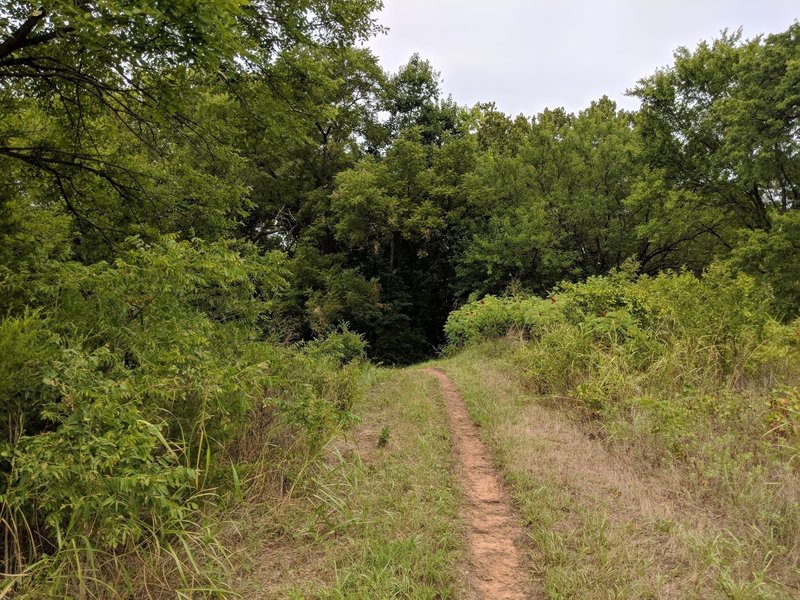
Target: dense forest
point(212, 211)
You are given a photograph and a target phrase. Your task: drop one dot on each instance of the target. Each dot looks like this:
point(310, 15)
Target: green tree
point(549, 198)
point(413, 98)
point(721, 125)
point(101, 102)
point(774, 258)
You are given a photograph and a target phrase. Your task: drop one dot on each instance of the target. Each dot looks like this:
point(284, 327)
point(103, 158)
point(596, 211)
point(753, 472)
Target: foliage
point(720, 124)
point(688, 380)
point(434, 203)
point(343, 346)
point(111, 108)
point(187, 188)
point(729, 311)
point(494, 317)
point(608, 340)
point(126, 381)
point(769, 256)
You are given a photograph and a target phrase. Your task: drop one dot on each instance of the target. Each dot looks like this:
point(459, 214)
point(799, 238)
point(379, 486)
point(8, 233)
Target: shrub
point(124, 383)
point(650, 345)
point(494, 317)
point(342, 345)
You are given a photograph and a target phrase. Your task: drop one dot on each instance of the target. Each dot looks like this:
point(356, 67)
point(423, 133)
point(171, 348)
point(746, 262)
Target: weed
point(383, 437)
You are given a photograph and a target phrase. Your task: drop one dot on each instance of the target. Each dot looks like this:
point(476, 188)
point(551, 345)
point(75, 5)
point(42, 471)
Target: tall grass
point(377, 517)
point(684, 374)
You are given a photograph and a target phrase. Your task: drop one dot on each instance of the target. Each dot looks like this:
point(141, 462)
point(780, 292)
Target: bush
point(125, 383)
point(494, 317)
point(689, 377)
point(602, 342)
point(342, 345)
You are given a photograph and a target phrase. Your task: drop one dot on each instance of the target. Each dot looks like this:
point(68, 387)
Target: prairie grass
point(687, 495)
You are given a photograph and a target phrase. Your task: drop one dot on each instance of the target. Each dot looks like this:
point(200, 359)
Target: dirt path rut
point(498, 561)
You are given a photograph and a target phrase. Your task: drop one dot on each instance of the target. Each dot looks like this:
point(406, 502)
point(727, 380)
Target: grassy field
point(380, 518)
point(608, 521)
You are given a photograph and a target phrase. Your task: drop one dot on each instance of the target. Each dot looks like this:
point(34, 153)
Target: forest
point(216, 216)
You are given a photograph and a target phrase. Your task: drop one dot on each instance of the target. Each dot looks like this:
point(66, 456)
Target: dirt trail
point(498, 561)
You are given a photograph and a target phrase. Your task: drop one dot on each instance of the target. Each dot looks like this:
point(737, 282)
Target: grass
point(379, 518)
point(674, 478)
point(608, 521)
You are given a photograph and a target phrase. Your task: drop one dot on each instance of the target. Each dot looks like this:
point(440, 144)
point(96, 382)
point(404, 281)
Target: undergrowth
point(684, 374)
point(139, 399)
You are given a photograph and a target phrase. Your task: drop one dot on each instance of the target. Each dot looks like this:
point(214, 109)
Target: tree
point(721, 125)
point(298, 126)
point(412, 97)
point(549, 198)
point(774, 258)
point(100, 96)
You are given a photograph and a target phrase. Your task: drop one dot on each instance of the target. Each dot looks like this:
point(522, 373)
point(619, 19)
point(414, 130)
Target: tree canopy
point(267, 121)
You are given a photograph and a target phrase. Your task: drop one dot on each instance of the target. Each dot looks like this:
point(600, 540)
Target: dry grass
point(607, 522)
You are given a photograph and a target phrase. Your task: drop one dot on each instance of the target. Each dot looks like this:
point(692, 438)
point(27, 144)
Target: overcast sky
point(530, 54)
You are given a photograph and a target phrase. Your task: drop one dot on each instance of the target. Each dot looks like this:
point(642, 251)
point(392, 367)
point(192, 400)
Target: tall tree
point(100, 101)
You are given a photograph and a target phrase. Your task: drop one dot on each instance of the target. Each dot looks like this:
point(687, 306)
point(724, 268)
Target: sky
point(526, 55)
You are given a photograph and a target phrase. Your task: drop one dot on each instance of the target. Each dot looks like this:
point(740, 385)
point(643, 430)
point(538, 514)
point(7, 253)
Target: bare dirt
point(495, 535)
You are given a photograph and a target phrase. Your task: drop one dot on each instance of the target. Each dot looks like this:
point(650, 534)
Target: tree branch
point(19, 39)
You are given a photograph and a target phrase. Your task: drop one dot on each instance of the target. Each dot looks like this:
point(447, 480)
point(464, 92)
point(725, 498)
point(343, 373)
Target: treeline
point(393, 204)
point(192, 192)
point(483, 203)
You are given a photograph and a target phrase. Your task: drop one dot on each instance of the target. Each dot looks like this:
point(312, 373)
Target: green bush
point(603, 343)
point(723, 309)
point(125, 385)
point(494, 317)
point(342, 345)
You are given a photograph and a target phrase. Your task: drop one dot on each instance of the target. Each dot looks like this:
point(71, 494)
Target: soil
point(498, 559)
